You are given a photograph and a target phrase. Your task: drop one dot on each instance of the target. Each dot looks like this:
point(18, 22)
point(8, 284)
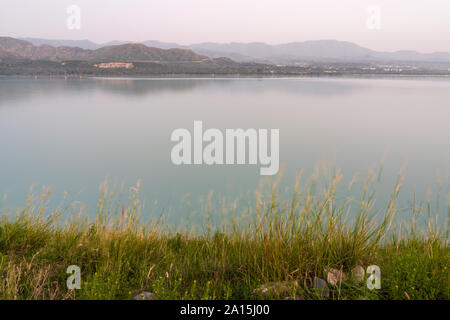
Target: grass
point(273, 240)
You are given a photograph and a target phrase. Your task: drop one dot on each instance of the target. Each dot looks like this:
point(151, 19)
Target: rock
point(277, 288)
point(358, 273)
point(321, 287)
point(335, 276)
point(144, 295)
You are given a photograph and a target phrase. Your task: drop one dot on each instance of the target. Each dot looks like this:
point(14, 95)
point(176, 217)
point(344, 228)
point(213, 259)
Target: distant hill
point(140, 52)
point(311, 58)
point(319, 51)
point(289, 53)
point(83, 44)
point(13, 45)
point(15, 48)
point(163, 45)
point(10, 56)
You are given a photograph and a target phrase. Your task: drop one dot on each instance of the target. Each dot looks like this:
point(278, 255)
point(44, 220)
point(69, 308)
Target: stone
point(321, 287)
point(334, 276)
point(144, 295)
point(277, 288)
point(358, 273)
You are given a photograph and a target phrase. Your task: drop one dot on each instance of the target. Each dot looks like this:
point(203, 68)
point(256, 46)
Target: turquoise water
point(71, 134)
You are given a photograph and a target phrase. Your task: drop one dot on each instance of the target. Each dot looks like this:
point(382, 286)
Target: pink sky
point(405, 24)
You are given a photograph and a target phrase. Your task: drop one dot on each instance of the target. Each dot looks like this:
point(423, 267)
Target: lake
point(71, 134)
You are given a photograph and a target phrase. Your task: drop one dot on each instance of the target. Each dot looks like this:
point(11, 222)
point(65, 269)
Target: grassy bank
point(290, 241)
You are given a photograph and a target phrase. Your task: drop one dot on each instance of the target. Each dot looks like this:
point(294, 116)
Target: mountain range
point(16, 49)
point(328, 57)
point(20, 57)
point(289, 53)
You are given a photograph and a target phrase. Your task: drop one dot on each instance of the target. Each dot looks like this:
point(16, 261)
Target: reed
point(231, 252)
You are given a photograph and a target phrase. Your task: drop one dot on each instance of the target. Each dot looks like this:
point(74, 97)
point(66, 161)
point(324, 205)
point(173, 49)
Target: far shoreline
point(232, 77)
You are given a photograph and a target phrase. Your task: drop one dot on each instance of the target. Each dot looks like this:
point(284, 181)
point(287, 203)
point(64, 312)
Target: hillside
point(140, 52)
point(288, 53)
point(319, 51)
point(10, 56)
point(19, 57)
point(125, 52)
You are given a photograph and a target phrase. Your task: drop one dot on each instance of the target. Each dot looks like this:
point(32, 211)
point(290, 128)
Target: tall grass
point(229, 254)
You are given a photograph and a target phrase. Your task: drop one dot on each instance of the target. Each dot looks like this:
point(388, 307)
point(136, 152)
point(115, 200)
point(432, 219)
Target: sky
point(393, 25)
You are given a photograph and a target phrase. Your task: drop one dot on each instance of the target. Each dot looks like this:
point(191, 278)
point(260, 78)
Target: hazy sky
point(422, 25)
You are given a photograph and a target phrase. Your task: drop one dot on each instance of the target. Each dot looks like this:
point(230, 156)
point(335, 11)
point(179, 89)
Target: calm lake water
point(71, 134)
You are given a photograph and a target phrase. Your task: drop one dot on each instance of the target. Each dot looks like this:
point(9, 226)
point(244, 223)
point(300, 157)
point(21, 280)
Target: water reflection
point(71, 133)
point(24, 88)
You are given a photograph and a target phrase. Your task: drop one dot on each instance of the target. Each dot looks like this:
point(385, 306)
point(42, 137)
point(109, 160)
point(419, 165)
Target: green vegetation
point(210, 67)
point(275, 240)
point(88, 68)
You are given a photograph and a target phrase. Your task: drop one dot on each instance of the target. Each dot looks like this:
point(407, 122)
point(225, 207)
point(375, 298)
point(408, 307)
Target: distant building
point(115, 65)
